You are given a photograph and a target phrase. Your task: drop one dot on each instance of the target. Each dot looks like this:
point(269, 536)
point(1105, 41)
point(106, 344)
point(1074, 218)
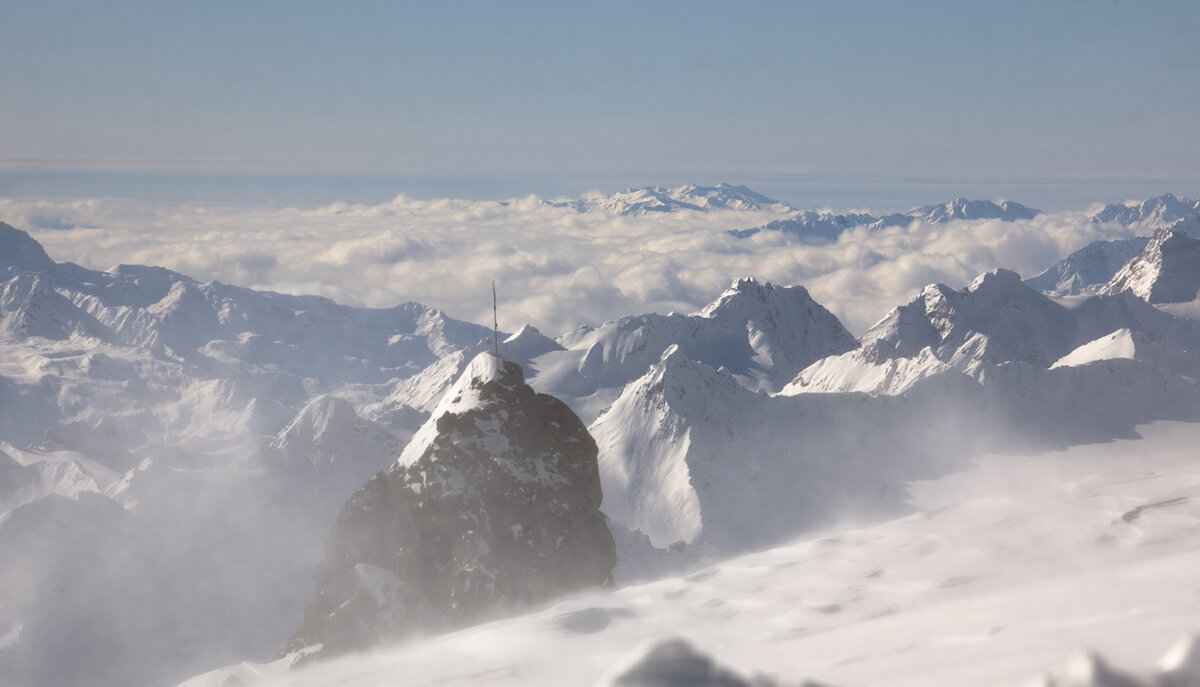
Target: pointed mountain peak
point(997, 278)
point(1153, 212)
point(528, 343)
point(20, 252)
point(746, 290)
point(487, 368)
point(486, 381)
point(493, 508)
point(1167, 271)
point(315, 422)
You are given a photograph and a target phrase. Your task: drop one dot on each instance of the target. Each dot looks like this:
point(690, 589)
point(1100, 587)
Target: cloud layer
point(554, 267)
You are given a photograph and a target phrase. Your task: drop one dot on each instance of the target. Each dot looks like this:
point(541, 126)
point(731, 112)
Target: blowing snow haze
point(194, 474)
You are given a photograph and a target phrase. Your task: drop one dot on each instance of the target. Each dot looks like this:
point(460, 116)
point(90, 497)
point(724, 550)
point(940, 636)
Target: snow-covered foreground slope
point(1000, 573)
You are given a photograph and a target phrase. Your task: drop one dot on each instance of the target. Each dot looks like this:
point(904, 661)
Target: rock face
point(494, 506)
point(1088, 269)
point(1167, 271)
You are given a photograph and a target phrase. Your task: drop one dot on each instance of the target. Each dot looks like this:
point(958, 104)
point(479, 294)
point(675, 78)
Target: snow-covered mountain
point(1091, 268)
point(638, 201)
point(811, 227)
point(1150, 214)
point(760, 334)
point(1088, 269)
point(824, 227)
point(1166, 271)
point(171, 355)
point(155, 429)
point(961, 208)
point(688, 456)
point(995, 321)
point(1000, 574)
point(492, 508)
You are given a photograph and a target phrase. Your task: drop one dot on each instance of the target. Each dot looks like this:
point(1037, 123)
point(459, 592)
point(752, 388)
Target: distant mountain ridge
point(651, 199)
point(1152, 213)
point(825, 227)
point(1090, 269)
point(140, 408)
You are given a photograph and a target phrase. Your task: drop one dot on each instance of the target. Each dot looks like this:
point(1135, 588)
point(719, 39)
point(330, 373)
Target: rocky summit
point(493, 507)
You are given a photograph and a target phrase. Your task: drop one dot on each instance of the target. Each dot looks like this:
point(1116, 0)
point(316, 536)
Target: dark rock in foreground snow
point(493, 507)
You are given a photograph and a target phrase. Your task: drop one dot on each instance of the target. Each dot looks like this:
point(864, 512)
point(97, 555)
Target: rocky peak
point(19, 252)
point(493, 507)
point(1167, 271)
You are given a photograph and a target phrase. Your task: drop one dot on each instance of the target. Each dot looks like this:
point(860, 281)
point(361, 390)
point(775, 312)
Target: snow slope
point(1088, 269)
point(158, 429)
point(998, 575)
point(1091, 268)
point(1166, 271)
point(155, 429)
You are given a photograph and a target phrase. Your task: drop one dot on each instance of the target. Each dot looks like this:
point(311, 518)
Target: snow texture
point(1166, 271)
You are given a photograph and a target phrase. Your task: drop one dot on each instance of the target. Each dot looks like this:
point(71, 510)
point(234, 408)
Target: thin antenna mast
point(495, 322)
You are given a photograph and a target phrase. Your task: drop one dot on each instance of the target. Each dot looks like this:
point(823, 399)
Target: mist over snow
point(555, 267)
point(176, 448)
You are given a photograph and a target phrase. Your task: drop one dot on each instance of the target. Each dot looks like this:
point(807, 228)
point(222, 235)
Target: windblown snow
point(996, 475)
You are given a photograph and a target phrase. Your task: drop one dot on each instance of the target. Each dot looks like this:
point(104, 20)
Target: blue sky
point(559, 97)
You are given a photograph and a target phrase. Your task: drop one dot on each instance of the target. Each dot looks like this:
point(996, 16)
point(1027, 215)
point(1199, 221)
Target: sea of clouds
point(554, 267)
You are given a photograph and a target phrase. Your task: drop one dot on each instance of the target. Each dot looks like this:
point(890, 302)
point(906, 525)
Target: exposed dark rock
point(493, 507)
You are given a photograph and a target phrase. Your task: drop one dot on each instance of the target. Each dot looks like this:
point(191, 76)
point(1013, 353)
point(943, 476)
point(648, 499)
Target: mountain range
point(1091, 268)
point(825, 227)
point(154, 428)
point(647, 199)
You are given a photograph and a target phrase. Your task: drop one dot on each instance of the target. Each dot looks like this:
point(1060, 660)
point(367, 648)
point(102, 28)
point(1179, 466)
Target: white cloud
point(554, 267)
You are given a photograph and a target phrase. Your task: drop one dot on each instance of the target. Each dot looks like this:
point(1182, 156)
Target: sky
point(878, 104)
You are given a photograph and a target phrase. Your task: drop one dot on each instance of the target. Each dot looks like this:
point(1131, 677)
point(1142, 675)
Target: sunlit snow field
point(1001, 573)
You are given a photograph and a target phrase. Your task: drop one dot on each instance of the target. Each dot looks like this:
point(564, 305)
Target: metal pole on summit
point(495, 322)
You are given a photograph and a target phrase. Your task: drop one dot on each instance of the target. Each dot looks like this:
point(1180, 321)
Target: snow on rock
point(1151, 214)
point(998, 319)
point(760, 333)
point(690, 457)
point(811, 227)
point(21, 484)
point(1018, 323)
point(1119, 344)
point(527, 344)
point(492, 507)
point(167, 358)
point(873, 369)
point(1088, 269)
point(1166, 271)
point(640, 201)
point(19, 253)
point(963, 209)
point(998, 573)
point(317, 462)
point(825, 227)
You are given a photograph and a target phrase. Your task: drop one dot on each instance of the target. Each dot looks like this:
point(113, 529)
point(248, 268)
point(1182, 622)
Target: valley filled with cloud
point(554, 267)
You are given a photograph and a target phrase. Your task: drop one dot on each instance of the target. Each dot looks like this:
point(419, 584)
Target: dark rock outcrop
point(492, 508)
